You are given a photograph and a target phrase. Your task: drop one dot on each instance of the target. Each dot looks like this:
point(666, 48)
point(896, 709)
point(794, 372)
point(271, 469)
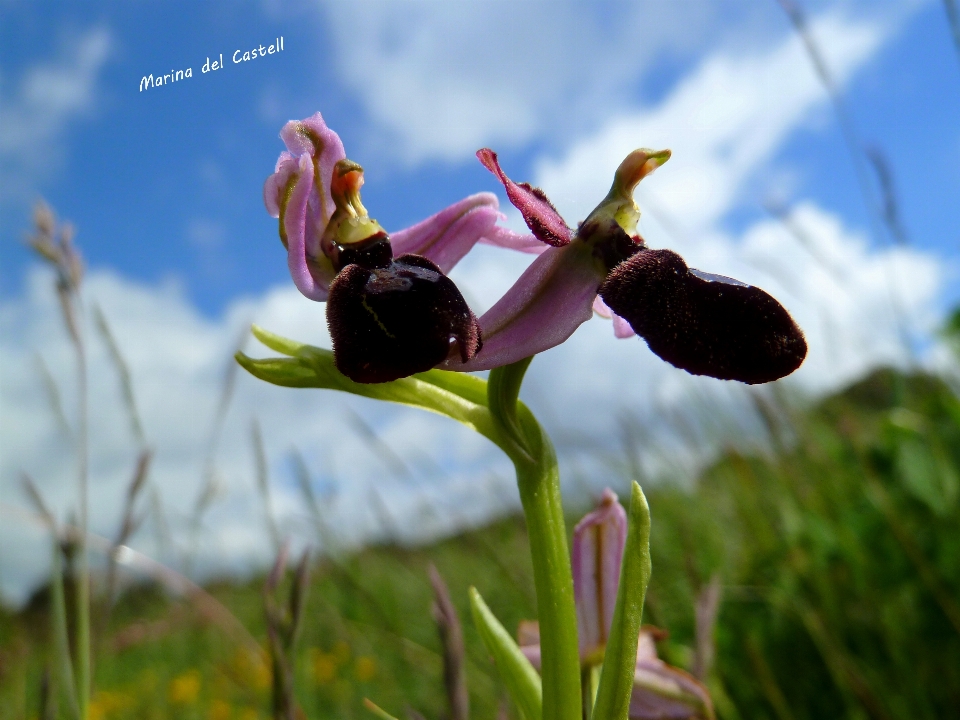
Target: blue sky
point(165, 186)
point(164, 183)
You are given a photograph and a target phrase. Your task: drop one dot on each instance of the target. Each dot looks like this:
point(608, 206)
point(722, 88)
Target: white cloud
point(35, 114)
point(442, 79)
point(177, 360)
point(723, 121)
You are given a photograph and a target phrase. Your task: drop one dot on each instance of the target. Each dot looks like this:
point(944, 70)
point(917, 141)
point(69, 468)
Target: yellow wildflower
point(220, 710)
point(185, 688)
point(324, 666)
point(365, 668)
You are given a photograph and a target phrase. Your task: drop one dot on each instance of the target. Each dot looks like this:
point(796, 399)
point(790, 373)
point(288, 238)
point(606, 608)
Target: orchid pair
point(392, 312)
point(399, 325)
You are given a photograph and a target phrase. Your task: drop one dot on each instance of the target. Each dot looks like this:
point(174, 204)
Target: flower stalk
point(538, 479)
point(539, 484)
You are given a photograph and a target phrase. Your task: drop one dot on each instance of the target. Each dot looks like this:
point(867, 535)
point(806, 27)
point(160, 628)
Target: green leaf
point(620, 659)
point(458, 396)
point(279, 371)
point(377, 710)
point(469, 387)
point(520, 677)
point(276, 342)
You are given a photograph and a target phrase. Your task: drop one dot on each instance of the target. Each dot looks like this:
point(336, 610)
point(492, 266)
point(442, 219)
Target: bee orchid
point(391, 309)
point(702, 323)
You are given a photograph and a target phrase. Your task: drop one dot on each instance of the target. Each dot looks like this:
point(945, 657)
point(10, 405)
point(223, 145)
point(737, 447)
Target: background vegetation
point(836, 549)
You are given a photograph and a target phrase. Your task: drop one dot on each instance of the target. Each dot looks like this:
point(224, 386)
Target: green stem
point(60, 634)
point(82, 605)
point(539, 484)
point(538, 479)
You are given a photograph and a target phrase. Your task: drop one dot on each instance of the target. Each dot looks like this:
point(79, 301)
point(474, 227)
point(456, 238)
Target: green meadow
point(835, 545)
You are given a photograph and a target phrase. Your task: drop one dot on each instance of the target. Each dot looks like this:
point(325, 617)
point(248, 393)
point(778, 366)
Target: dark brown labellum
point(391, 322)
point(704, 324)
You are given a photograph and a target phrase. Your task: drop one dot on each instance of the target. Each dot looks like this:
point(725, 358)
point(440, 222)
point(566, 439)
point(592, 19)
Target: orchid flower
point(702, 323)
point(391, 310)
point(660, 690)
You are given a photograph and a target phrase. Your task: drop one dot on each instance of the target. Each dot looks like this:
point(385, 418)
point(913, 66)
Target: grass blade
point(123, 373)
point(522, 681)
point(620, 660)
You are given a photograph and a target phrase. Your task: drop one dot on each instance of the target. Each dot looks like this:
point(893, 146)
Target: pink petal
point(446, 237)
point(273, 187)
point(528, 632)
point(647, 645)
point(598, 542)
point(505, 238)
point(300, 187)
point(662, 692)
point(601, 309)
point(528, 639)
point(540, 215)
point(542, 309)
point(312, 136)
point(295, 221)
point(621, 328)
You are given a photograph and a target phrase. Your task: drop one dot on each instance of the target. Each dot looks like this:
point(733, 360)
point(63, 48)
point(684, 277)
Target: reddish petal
point(538, 212)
